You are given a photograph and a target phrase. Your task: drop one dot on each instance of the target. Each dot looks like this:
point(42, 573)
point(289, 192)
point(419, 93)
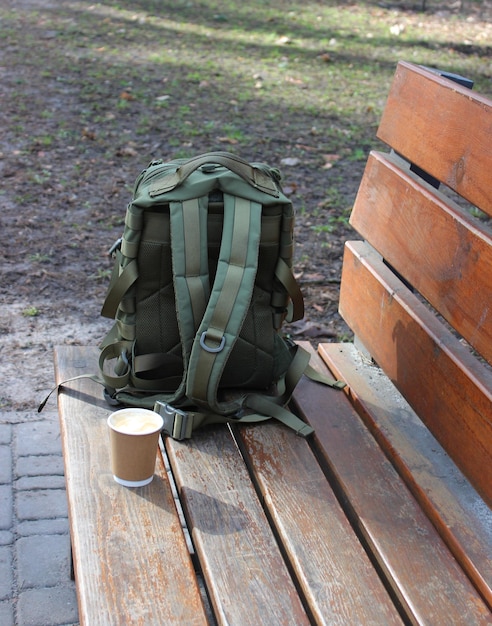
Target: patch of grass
point(101, 274)
point(44, 141)
point(39, 257)
point(358, 154)
point(332, 223)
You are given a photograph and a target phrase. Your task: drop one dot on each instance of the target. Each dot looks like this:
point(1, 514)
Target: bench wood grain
point(131, 561)
point(413, 559)
point(461, 517)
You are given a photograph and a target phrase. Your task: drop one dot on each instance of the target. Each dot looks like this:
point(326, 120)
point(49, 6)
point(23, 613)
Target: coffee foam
point(135, 422)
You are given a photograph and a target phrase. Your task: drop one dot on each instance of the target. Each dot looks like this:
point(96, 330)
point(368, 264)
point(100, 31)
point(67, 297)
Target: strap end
point(305, 431)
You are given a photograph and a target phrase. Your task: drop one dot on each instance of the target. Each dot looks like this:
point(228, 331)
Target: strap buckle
point(115, 246)
point(178, 424)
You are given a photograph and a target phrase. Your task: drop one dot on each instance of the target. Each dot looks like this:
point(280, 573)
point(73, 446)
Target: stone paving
point(35, 584)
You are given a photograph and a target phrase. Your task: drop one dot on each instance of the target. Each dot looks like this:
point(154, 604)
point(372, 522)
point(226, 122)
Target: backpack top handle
point(254, 176)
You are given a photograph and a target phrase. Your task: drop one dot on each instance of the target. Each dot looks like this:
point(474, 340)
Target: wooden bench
point(383, 516)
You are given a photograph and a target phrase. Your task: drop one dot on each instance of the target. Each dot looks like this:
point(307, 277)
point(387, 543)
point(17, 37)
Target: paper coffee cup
point(134, 435)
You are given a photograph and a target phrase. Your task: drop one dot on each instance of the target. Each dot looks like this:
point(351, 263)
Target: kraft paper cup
point(134, 436)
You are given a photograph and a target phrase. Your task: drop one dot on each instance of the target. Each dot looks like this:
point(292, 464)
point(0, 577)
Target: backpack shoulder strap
point(189, 245)
point(228, 304)
point(189, 250)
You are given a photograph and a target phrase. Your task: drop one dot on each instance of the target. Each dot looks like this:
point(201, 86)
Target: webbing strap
point(285, 276)
point(313, 374)
point(189, 244)
point(121, 350)
point(265, 406)
point(64, 382)
point(120, 283)
point(287, 384)
point(300, 365)
point(229, 302)
point(180, 424)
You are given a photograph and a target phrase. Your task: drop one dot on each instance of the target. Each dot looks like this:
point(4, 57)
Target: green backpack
point(201, 286)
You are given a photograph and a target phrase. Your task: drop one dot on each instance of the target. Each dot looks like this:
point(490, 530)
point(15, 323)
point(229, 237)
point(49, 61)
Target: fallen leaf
point(289, 189)
point(294, 81)
point(311, 329)
point(303, 146)
point(329, 296)
point(331, 158)
point(314, 278)
point(126, 151)
point(126, 95)
point(88, 134)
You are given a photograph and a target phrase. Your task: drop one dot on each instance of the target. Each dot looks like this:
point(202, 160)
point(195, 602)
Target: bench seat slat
point(333, 570)
point(449, 389)
point(461, 516)
point(131, 562)
point(428, 240)
point(422, 105)
point(420, 569)
point(244, 571)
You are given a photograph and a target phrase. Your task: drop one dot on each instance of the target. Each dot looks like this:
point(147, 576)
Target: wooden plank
point(455, 508)
point(131, 562)
point(423, 574)
point(421, 105)
point(447, 387)
point(333, 571)
point(245, 574)
point(432, 243)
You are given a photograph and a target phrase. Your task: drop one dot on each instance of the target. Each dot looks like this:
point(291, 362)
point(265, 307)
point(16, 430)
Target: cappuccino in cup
point(134, 435)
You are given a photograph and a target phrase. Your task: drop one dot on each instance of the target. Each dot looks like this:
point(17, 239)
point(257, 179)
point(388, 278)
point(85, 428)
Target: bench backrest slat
point(435, 245)
point(449, 389)
point(427, 252)
point(442, 127)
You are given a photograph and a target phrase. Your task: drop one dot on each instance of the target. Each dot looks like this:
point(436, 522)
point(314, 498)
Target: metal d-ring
point(207, 348)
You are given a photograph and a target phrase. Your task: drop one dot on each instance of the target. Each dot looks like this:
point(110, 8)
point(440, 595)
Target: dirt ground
point(64, 193)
